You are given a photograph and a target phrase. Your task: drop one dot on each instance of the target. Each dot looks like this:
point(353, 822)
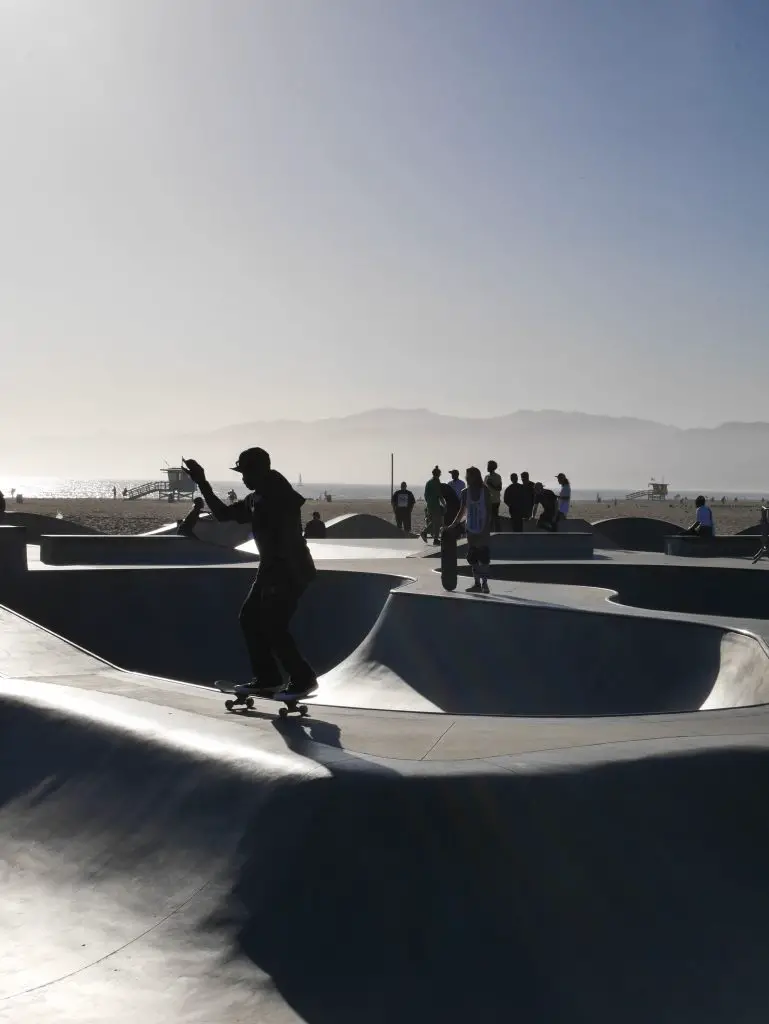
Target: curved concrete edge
point(133, 549)
point(458, 894)
point(737, 546)
point(362, 526)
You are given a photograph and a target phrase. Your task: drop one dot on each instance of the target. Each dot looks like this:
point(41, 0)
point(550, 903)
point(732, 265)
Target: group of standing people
point(522, 497)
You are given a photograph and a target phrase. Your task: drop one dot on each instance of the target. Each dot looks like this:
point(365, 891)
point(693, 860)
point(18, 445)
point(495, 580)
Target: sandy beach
point(120, 516)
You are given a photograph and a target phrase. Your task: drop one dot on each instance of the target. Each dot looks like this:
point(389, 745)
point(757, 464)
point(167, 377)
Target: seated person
point(703, 526)
point(548, 519)
point(316, 528)
point(186, 527)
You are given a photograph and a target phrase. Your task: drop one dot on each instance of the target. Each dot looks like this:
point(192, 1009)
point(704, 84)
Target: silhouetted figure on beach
point(493, 481)
point(273, 508)
point(451, 504)
point(564, 496)
point(316, 528)
point(548, 519)
point(704, 525)
point(186, 527)
point(434, 502)
point(2, 505)
point(516, 500)
point(456, 482)
point(475, 511)
point(402, 502)
point(528, 500)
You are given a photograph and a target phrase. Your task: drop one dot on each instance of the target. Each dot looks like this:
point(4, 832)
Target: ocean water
point(67, 487)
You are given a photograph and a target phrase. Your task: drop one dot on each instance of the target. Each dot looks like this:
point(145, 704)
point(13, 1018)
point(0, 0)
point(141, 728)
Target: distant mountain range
point(594, 451)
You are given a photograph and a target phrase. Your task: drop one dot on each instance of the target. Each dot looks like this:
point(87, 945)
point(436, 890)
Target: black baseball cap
point(252, 458)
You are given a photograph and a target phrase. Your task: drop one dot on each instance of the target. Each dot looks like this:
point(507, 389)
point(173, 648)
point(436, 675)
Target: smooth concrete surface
point(687, 546)
point(737, 591)
point(184, 623)
point(208, 530)
point(538, 544)
point(361, 526)
point(166, 861)
point(13, 553)
point(130, 549)
point(635, 533)
point(36, 525)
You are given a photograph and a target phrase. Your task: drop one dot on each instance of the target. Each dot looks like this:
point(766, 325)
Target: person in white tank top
point(475, 510)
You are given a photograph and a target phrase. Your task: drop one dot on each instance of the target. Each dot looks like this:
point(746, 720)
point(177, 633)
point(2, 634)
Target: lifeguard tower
point(177, 486)
point(656, 491)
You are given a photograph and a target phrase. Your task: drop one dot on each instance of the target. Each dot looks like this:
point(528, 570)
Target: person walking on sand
point(286, 568)
point(564, 496)
point(2, 505)
point(475, 511)
point(403, 502)
point(434, 502)
point(515, 499)
point(494, 483)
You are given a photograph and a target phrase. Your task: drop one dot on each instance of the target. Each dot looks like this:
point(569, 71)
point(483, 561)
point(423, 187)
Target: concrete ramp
point(361, 526)
point(156, 870)
point(635, 533)
point(470, 655)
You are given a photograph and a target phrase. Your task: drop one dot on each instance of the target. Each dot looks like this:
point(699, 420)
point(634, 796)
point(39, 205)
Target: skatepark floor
point(166, 861)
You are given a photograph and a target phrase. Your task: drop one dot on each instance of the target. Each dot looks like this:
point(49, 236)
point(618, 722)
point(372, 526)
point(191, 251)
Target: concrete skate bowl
point(36, 525)
point(160, 880)
point(361, 526)
point(182, 623)
point(635, 533)
point(431, 653)
point(723, 591)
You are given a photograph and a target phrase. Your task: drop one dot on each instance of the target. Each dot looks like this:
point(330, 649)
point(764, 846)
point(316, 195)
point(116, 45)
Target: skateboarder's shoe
point(423, 535)
point(485, 588)
point(436, 543)
point(475, 589)
point(298, 690)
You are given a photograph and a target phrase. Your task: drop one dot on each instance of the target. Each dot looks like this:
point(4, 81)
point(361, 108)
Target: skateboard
point(244, 699)
point(448, 558)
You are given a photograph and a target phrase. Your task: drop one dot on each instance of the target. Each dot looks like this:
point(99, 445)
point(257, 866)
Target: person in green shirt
point(435, 505)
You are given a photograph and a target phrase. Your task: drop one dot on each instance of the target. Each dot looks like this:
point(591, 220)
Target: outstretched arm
point(219, 509)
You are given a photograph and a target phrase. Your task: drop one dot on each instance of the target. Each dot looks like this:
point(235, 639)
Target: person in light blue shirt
point(704, 525)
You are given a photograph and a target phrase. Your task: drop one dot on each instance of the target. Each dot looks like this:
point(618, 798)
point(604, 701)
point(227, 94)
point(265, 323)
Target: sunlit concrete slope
point(163, 867)
point(500, 656)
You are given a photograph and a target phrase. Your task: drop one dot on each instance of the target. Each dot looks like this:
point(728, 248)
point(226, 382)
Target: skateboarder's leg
point(473, 562)
point(278, 608)
point(484, 559)
point(256, 631)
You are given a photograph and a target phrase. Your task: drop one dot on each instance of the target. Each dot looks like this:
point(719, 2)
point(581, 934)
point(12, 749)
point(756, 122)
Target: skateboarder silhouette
point(285, 570)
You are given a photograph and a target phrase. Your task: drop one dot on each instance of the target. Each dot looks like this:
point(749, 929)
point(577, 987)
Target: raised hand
point(194, 471)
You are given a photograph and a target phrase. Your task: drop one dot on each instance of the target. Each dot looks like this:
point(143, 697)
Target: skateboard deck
point(448, 559)
point(244, 699)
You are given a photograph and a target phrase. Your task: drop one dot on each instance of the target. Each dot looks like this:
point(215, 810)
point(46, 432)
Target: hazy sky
point(235, 210)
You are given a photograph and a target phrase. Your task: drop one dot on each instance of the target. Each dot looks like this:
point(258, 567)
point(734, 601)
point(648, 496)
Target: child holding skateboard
point(475, 510)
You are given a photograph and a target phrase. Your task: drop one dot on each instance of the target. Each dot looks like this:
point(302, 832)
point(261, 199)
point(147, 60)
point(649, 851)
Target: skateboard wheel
point(229, 704)
point(303, 709)
point(250, 703)
point(283, 712)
